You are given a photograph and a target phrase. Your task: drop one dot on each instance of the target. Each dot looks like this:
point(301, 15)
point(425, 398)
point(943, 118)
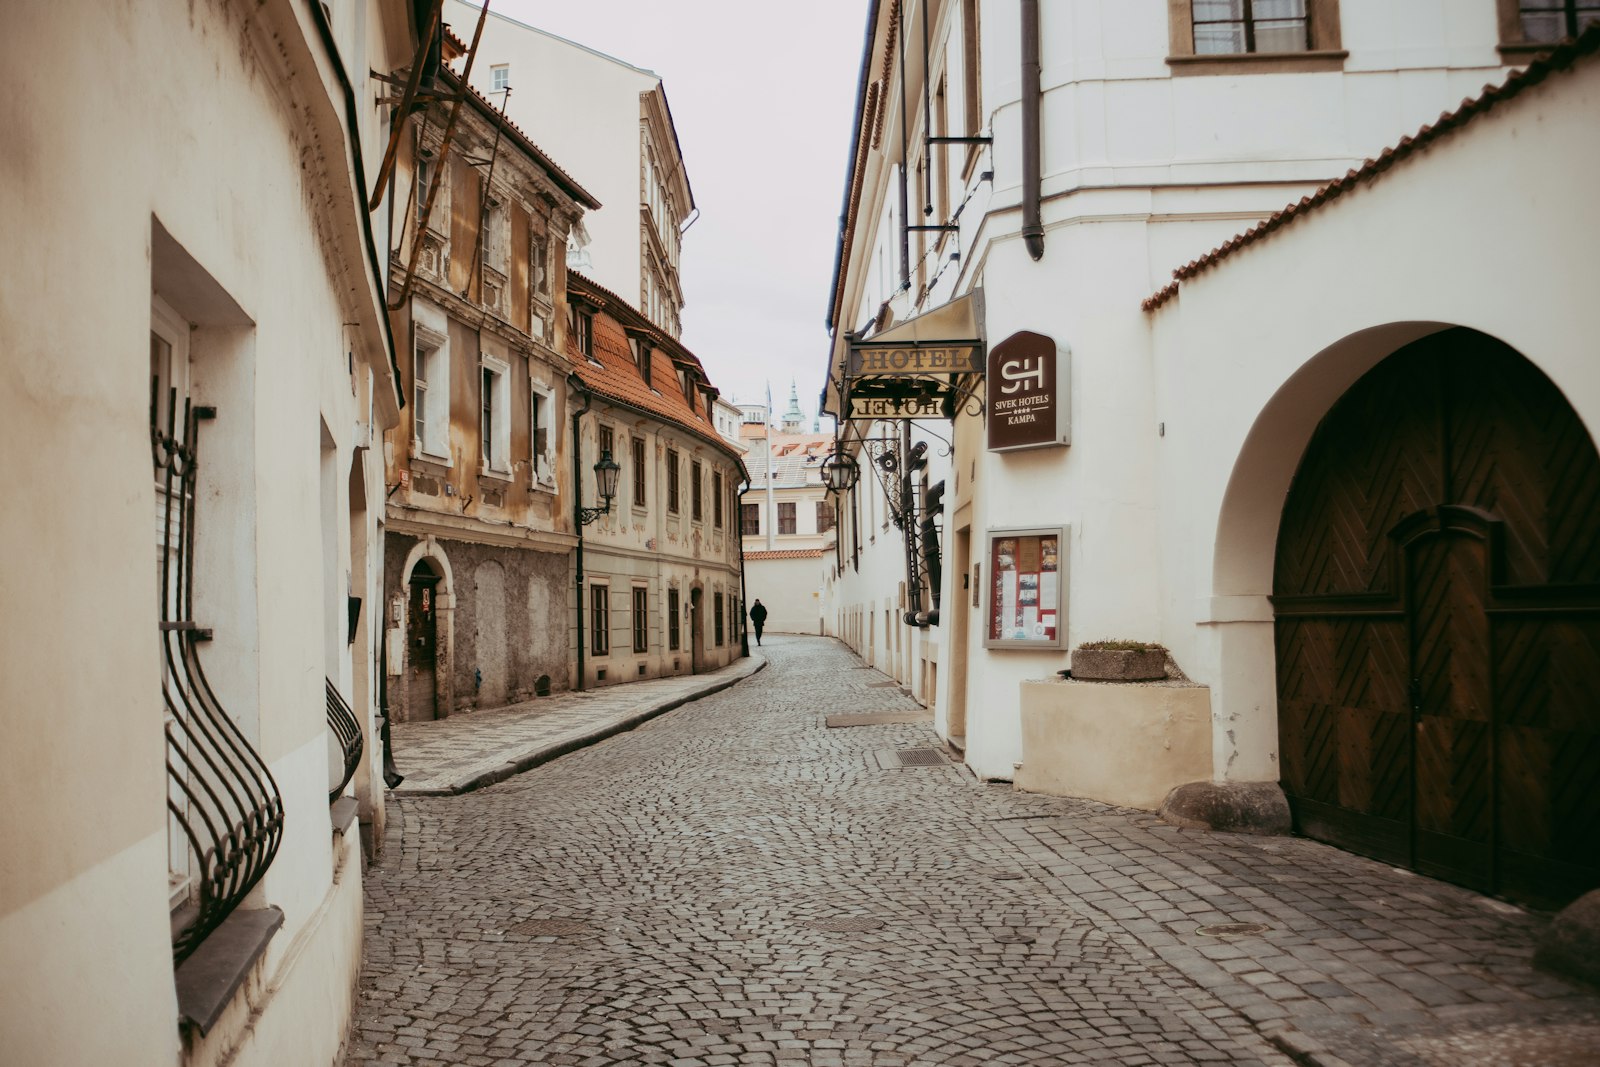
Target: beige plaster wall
point(1123, 744)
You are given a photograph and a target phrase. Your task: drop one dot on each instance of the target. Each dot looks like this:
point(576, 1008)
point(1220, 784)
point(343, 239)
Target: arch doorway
point(1436, 602)
point(422, 643)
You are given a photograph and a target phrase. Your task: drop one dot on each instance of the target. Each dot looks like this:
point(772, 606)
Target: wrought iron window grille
point(346, 730)
point(220, 792)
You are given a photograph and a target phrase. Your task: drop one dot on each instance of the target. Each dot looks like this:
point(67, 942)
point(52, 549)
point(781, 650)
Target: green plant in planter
point(1118, 645)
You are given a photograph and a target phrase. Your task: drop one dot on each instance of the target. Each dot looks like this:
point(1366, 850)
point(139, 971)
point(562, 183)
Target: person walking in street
point(758, 617)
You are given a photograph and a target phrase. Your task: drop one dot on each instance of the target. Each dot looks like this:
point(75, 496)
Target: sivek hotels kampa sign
point(1029, 379)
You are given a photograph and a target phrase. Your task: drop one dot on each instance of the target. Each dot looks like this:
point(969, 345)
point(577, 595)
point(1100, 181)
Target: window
point(599, 619)
point(494, 417)
point(825, 516)
point(604, 439)
point(424, 178)
point(971, 72)
point(499, 77)
point(1253, 36)
point(1545, 21)
point(697, 510)
point(718, 616)
point(1224, 27)
point(496, 246)
point(786, 517)
point(638, 472)
point(672, 481)
point(641, 619)
point(542, 417)
point(716, 499)
point(583, 332)
point(749, 519)
point(539, 261)
point(430, 421)
point(674, 634)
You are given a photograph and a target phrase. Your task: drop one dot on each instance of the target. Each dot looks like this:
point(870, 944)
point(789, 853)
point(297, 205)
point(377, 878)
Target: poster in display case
point(1027, 588)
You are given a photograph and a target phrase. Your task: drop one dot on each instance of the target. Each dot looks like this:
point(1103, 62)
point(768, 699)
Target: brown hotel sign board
point(1028, 387)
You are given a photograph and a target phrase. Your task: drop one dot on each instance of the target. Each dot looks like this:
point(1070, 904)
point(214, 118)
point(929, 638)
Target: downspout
point(574, 383)
point(744, 609)
point(1032, 228)
point(905, 163)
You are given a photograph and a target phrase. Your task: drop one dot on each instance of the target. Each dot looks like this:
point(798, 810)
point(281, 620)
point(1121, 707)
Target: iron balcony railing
point(220, 795)
point(346, 733)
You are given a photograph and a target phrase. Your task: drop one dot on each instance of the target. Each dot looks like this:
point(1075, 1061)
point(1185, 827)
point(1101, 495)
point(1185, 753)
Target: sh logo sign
point(1028, 378)
point(1017, 373)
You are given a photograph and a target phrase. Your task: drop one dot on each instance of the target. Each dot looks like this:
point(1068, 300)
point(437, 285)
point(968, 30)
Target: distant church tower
point(793, 419)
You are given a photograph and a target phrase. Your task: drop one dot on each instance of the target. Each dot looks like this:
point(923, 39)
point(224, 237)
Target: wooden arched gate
point(1437, 603)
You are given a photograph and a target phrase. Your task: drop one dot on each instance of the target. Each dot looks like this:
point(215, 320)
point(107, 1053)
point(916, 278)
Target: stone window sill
point(209, 978)
point(1258, 63)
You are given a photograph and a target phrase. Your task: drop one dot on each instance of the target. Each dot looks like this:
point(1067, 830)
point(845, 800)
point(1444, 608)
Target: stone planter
point(1119, 664)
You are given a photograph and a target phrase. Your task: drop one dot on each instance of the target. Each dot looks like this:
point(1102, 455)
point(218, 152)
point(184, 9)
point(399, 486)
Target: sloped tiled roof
point(1559, 59)
point(614, 375)
point(787, 553)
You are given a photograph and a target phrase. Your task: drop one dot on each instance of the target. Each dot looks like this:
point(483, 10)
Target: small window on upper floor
point(1253, 36)
point(1534, 24)
point(499, 77)
point(582, 322)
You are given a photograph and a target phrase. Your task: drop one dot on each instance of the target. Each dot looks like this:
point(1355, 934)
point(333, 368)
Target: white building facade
point(1157, 131)
point(183, 875)
point(609, 123)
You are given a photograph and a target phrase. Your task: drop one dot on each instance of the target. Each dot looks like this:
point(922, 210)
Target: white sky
point(762, 94)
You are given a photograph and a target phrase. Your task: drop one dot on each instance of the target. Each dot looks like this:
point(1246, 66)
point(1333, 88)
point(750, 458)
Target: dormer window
point(582, 323)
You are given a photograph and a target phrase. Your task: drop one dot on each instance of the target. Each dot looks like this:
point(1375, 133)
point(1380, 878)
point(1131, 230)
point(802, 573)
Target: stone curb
point(532, 758)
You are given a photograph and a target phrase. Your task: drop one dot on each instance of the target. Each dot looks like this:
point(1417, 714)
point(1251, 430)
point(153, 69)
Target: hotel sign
point(1028, 394)
point(895, 407)
point(907, 360)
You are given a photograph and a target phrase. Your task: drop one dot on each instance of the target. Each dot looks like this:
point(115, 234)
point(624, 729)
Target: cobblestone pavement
point(472, 749)
point(734, 883)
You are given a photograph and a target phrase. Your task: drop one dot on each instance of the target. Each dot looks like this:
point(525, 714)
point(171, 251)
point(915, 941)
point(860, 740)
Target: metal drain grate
point(551, 927)
point(920, 757)
point(847, 925)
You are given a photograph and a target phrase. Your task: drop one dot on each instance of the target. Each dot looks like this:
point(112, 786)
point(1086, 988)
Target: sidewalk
point(472, 749)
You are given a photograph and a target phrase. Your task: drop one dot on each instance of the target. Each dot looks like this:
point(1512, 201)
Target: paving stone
point(704, 856)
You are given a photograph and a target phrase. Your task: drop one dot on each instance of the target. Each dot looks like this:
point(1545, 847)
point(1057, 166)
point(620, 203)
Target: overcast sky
point(762, 95)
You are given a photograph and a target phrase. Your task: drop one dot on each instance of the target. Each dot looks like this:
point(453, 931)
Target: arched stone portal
point(1436, 607)
point(425, 687)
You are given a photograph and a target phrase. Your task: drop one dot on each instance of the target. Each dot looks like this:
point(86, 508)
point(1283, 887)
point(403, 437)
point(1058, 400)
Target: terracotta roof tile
point(1559, 59)
point(787, 553)
point(614, 375)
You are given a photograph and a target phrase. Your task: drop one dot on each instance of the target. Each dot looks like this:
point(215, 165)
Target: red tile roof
point(617, 377)
point(1561, 58)
point(787, 553)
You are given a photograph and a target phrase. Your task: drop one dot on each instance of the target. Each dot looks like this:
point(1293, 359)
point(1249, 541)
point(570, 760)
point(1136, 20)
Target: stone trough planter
point(1091, 664)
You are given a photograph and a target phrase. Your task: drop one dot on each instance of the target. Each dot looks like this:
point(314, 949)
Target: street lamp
point(605, 477)
point(839, 472)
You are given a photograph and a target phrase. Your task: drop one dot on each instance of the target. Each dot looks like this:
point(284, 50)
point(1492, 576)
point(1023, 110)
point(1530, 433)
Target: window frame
point(599, 618)
point(718, 620)
point(640, 456)
point(674, 620)
point(542, 461)
point(674, 483)
point(825, 508)
point(582, 323)
point(641, 618)
point(747, 512)
point(716, 499)
point(495, 409)
point(788, 523)
point(1325, 49)
point(496, 82)
point(697, 495)
point(433, 338)
point(1513, 41)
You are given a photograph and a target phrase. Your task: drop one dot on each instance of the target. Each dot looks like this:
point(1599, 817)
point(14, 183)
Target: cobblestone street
point(737, 883)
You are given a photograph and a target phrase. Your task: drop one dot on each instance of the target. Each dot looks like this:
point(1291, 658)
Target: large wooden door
point(422, 638)
point(1437, 596)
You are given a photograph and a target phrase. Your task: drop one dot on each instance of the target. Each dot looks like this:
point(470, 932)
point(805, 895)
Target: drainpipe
point(744, 610)
point(577, 507)
point(1032, 228)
